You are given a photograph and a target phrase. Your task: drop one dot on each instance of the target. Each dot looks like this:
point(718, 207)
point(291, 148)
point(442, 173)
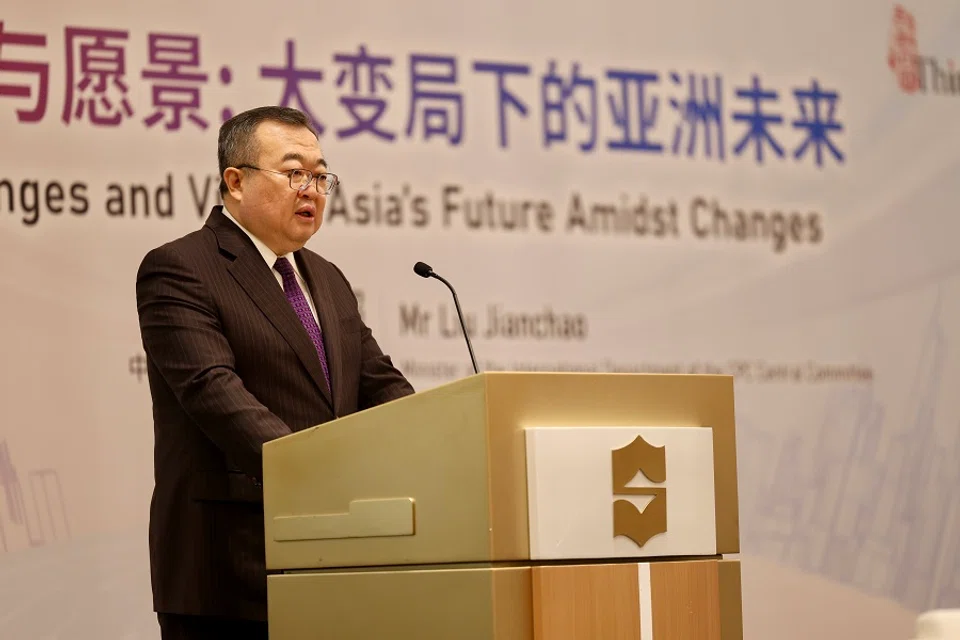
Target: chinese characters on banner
point(654, 112)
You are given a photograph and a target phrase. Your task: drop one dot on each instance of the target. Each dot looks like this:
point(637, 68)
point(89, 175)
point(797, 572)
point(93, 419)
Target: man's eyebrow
point(293, 155)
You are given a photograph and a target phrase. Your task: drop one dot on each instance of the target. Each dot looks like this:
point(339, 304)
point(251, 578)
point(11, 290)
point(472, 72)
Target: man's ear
point(233, 178)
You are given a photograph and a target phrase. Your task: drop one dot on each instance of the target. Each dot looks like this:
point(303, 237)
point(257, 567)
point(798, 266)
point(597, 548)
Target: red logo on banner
point(903, 56)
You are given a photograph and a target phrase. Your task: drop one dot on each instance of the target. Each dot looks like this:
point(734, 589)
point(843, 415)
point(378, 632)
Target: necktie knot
point(283, 267)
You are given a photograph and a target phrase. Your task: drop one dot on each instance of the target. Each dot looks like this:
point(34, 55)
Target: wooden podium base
point(668, 600)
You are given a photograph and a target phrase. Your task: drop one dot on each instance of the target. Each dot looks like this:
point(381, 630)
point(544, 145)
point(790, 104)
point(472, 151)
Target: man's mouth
point(305, 212)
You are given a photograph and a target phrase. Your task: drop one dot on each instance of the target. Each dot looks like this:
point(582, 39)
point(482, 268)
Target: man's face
point(283, 218)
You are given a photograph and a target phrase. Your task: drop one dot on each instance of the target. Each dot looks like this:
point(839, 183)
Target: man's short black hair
point(236, 143)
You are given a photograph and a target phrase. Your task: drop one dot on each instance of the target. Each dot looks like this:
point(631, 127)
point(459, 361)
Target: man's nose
point(309, 190)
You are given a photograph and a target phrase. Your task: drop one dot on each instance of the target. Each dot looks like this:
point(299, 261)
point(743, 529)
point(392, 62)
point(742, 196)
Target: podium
point(511, 506)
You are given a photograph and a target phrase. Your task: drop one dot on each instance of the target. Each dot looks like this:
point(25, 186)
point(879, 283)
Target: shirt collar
point(268, 255)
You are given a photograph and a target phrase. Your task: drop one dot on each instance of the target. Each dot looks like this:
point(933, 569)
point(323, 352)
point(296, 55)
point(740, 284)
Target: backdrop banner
point(767, 190)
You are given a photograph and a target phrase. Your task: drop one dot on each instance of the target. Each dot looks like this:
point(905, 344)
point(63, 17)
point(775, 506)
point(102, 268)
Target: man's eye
point(298, 174)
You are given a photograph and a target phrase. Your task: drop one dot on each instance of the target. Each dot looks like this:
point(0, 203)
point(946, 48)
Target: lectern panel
point(443, 476)
point(396, 484)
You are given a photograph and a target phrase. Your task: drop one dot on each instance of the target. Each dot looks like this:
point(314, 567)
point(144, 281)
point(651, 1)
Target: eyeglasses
point(301, 178)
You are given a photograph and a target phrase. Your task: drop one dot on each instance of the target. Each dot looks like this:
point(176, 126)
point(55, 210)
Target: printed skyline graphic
point(867, 498)
point(32, 510)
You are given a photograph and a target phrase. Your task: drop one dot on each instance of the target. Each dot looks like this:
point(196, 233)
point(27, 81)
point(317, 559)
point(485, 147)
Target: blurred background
point(762, 189)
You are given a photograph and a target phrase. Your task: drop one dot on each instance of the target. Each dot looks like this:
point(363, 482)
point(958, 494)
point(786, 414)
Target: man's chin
point(299, 239)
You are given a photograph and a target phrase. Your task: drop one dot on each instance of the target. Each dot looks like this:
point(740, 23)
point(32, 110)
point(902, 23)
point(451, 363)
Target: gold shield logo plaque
point(628, 520)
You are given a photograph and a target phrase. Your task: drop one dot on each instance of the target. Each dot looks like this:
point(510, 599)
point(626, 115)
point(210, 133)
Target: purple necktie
point(299, 303)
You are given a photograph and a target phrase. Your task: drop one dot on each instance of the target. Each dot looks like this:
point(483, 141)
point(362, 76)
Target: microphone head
point(423, 270)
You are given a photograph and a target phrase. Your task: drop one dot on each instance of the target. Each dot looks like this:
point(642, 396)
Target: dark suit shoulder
point(183, 249)
point(325, 266)
point(192, 241)
point(314, 258)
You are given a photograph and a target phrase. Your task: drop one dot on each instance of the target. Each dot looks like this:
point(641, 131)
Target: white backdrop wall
point(755, 188)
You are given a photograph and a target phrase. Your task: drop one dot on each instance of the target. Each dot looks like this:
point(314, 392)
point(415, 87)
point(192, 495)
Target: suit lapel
point(256, 279)
point(329, 323)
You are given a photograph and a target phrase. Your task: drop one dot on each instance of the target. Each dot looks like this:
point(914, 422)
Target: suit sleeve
point(183, 339)
point(380, 380)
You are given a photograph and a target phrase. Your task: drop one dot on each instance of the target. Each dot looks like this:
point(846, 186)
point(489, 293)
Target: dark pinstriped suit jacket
point(231, 367)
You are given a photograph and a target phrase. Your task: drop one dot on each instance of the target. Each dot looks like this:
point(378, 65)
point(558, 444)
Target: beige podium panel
point(511, 505)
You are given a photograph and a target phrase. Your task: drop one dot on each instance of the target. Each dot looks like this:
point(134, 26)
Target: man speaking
point(248, 337)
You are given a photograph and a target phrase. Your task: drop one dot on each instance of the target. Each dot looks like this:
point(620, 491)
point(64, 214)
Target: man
point(248, 337)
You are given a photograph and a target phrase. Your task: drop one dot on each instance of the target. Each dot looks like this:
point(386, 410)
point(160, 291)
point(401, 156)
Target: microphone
point(424, 270)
